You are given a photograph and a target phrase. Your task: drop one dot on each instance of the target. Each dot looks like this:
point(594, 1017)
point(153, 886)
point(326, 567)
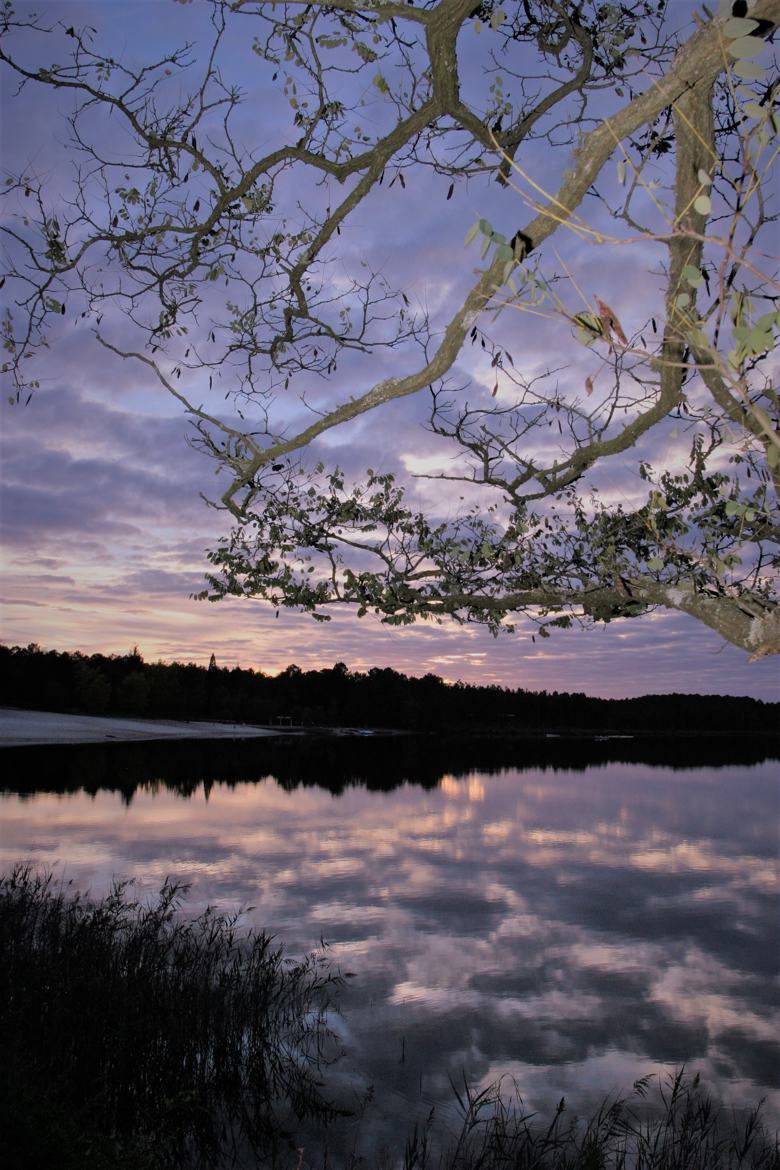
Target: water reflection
point(574, 928)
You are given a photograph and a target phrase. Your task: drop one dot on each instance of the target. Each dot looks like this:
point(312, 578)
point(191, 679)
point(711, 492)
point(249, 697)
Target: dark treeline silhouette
point(338, 763)
point(126, 685)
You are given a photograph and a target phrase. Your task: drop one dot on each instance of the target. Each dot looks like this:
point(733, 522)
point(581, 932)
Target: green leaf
point(759, 341)
point(693, 275)
point(745, 47)
point(655, 564)
point(363, 51)
point(590, 321)
point(704, 178)
point(749, 70)
point(773, 457)
point(733, 508)
point(471, 234)
point(739, 26)
point(682, 301)
point(485, 227)
point(702, 204)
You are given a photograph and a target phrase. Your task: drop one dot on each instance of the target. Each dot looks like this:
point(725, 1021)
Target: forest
point(124, 684)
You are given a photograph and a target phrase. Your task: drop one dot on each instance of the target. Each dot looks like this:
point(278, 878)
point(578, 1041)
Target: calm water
point(573, 927)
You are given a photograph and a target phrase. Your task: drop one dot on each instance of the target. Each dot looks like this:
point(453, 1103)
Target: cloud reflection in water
point(574, 929)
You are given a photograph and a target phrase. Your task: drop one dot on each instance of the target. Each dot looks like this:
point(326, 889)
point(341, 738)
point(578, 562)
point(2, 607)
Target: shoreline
point(21, 728)
point(24, 728)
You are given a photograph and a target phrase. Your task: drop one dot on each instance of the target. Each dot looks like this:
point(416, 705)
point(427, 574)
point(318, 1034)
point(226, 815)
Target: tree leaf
point(759, 341)
point(745, 47)
point(471, 234)
point(749, 70)
point(739, 26)
point(702, 204)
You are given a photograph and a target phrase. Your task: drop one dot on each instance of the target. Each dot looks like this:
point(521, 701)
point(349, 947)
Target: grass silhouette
point(132, 1037)
point(665, 1123)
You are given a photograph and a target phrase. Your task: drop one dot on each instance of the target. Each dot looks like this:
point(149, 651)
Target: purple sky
point(103, 528)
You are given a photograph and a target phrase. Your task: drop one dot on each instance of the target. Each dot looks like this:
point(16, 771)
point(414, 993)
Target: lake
point(572, 916)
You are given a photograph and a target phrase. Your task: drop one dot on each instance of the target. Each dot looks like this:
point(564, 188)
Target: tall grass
point(131, 1037)
point(664, 1124)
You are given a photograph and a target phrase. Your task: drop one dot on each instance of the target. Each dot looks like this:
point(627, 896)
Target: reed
point(665, 1123)
point(131, 1037)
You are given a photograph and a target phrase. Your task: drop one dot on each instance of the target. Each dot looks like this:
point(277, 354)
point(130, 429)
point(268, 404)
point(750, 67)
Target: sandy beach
point(22, 728)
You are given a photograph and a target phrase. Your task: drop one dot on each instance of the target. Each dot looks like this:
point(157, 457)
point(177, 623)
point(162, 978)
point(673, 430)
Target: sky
point(104, 528)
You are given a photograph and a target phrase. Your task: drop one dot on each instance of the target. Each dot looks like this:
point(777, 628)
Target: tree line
point(124, 684)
